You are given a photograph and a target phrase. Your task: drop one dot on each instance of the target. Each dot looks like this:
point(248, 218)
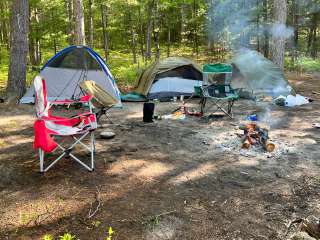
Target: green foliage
point(110, 234)
point(4, 66)
point(183, 25)
point(308, 64)
point(47, 237)
point(303, 64)
point(67, 236)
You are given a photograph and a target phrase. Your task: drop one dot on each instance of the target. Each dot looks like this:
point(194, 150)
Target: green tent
point(179, 72)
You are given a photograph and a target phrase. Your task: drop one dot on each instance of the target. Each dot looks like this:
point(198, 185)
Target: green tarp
point(133, 97)
point(217, 68)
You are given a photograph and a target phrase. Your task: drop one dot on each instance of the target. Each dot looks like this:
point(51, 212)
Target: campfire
point(254, 135)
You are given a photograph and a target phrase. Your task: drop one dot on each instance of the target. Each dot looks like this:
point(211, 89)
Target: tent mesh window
point(186, 72)
point(77, 58)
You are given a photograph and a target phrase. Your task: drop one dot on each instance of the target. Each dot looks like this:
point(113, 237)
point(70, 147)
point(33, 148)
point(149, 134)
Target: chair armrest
point(61, 119)
point(84, 99)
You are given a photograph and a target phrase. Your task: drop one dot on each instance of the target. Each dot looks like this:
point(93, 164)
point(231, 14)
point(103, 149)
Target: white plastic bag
point(297, 100)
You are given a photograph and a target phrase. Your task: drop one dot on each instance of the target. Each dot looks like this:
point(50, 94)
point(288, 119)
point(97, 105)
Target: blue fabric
point(94, 54)
point(57, 55)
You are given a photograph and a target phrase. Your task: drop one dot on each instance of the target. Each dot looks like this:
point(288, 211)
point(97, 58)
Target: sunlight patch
point(155, 169)
point(245, 161)
point(198, 172)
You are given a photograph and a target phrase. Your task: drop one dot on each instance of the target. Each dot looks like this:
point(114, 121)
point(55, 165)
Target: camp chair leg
point(41, 156)
point(101, 112)
point(67, 152)
point(92, 150)
point(80, 162)
point(220, 106)
point(230, 105)
point(203, 102)
point(54, 162)
point(109, 118)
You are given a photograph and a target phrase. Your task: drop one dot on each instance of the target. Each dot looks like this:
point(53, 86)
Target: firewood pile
point(254, 135)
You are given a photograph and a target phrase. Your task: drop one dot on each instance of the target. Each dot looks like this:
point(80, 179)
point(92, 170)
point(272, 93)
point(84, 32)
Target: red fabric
point(66, 101)
point(85, 98)
point(71, 122)
point(64, 121)
point(44, 86)
point(42, 138)
point(42, 134)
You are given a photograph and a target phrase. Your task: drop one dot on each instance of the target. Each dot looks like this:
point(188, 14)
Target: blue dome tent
point(65, 71)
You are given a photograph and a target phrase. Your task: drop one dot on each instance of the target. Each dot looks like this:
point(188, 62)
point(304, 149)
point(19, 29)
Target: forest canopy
point(130, 34)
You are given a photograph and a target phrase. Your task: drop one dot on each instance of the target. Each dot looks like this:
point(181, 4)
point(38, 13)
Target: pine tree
point(19, 49)
point(278, 36)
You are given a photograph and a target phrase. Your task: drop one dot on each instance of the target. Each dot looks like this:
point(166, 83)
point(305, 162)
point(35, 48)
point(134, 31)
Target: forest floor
point(171, 179)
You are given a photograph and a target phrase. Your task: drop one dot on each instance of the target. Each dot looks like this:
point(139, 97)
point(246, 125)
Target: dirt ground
point(171, 179)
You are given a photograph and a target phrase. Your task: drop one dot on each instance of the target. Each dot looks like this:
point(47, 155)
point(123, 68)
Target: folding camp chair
point(48, 128)
point(220, 95)
point(101, 99)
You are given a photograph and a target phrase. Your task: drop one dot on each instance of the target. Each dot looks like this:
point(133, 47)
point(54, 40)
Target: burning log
point(254, 135)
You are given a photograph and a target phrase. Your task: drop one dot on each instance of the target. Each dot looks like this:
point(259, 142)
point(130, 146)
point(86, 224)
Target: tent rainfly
point(170, 77)
point(65, 71)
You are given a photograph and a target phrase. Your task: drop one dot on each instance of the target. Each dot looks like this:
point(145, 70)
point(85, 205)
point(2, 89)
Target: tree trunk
point(31, 38)
point(278, 39)
point(4, 23)
point(195, 29)
point(19, 49)
point(183, 32)
point(34, 41)
point(156, 30)
point(296, 16)
point(37, 40)
point(104, 20)
point(134, 51)
point(168, 41)
point(312, 39)
point(266, 33)
point(210, 43)
point(314, 47)
point(244, 37)
point(53, 35)
point(149, 29)
point(70, 26)
point(133, 38)
point(141, 29)
point(157, 44)
point(258, 26)
point(295, 26)
point(91, 30)
point(80, 32)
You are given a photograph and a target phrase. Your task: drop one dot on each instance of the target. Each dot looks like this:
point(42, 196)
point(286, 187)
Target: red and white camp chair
point(49, 128)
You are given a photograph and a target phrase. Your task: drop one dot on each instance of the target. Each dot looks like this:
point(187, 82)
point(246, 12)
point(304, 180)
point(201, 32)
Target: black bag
point(148, 110)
